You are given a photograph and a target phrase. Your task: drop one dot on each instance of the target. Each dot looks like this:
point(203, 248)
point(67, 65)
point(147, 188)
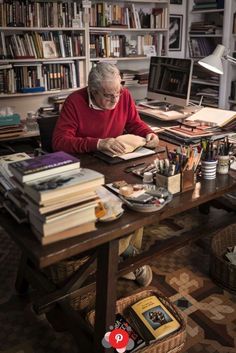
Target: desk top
point(43, 256)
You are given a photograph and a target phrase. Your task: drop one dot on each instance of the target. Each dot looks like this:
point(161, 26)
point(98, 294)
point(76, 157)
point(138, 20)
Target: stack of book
point(60, 196)
point(10, 125)
point(11, 198)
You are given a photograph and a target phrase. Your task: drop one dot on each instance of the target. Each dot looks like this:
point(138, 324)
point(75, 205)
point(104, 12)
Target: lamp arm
point(231, 59)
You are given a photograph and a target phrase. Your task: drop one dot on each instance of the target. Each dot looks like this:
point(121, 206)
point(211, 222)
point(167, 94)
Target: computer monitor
point(169, 80)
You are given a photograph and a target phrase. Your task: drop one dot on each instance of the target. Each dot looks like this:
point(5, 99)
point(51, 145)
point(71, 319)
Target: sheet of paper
point(141, 152)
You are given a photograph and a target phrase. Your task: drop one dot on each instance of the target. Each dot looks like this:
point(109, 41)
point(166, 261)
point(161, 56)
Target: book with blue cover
point(43, 166)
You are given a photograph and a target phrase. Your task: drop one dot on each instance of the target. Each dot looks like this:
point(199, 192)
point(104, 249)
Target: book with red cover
point(43, 166)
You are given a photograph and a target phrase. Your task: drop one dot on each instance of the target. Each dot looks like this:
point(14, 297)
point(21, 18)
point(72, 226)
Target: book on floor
point(63, 185)
point(122, 323)
point(43, 166)
point(152, 319)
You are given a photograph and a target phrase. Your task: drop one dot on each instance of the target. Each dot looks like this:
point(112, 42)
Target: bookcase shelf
point(53, 20)
point(205, 29)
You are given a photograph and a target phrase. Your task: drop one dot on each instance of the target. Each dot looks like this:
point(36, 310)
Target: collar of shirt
point(91, 104)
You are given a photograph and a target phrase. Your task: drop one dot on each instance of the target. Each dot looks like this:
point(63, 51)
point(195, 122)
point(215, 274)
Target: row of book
point(208, 4)
point(201, 46)
point(55, 195)
point(30, 13)
point(37, 77)
point(41, 45)
point(106, 45)
point(103, 14)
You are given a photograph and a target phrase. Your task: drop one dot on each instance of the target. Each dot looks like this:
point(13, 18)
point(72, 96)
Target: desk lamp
point(213, 62)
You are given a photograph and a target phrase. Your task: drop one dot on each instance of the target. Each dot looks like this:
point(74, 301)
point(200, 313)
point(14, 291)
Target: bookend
point(171, 343)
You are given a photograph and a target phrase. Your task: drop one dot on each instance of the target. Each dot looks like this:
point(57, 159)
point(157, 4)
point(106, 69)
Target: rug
point(183, 276)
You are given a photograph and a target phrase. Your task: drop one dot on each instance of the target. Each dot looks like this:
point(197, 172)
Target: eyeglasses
point(111, 97)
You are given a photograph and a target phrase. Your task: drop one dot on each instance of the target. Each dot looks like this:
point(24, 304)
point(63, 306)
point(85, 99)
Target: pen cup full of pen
point(208, 169)
point(224, 163)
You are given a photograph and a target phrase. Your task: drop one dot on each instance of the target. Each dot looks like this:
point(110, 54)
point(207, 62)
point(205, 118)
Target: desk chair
point(46, 127)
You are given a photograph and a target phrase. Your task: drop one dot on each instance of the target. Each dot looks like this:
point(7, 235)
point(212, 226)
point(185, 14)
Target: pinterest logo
point(118, 339)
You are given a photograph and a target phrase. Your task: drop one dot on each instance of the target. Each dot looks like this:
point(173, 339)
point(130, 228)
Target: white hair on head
point(103, 71)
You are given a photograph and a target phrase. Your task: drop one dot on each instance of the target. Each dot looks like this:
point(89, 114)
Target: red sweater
point(80, 127)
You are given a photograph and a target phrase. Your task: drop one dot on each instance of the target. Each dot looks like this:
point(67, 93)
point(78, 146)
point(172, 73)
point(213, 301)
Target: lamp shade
point(213, 62)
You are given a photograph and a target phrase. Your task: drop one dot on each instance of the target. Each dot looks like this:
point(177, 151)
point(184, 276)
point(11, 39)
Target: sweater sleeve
point(134, 124)
point(65, 134)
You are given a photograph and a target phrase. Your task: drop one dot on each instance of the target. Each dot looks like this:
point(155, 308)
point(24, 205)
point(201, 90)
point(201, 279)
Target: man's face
point(109, 95)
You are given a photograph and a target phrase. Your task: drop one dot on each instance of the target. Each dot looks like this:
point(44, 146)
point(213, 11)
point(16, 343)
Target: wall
point(180, 10)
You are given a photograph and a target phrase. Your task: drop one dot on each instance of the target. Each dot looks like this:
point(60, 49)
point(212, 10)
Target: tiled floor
point(182, 276)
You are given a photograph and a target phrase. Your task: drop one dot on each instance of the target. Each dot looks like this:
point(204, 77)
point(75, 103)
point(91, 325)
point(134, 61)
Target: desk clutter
point(152, 322)
point(61, 200)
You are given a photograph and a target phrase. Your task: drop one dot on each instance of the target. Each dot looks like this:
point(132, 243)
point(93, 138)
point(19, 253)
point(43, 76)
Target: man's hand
point(152, 140)
point(111, 145)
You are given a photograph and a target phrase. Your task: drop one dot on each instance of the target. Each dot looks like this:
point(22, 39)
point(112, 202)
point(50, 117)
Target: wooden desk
point(105, 242)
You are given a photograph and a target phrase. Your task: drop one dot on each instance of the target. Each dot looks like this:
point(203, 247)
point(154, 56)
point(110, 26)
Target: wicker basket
point(171, 343)
point(62, 270)
point(221, 270)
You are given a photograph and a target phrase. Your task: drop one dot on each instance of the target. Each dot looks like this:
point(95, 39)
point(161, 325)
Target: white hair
point(103, 71)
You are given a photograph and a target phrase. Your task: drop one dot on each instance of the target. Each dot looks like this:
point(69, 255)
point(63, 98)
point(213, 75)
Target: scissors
point(132, 167)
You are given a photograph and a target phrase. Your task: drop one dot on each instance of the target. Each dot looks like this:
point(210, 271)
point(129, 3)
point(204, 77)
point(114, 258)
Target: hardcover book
point(43, 166)
point(152, 319)
point(123, 324)
point(64, 185)
point(65, 234)
point(78, 217)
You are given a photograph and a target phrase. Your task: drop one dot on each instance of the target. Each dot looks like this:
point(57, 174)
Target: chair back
point(46, 128)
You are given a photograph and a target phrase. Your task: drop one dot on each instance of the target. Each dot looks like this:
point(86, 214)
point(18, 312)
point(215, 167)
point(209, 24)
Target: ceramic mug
point(208, 169)
point(224, 164)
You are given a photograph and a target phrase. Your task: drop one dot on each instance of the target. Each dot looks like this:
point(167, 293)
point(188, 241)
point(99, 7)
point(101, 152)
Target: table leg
point(107, 267)
point(21, 283)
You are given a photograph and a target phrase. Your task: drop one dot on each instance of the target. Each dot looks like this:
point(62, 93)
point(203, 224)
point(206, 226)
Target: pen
point(131, 167)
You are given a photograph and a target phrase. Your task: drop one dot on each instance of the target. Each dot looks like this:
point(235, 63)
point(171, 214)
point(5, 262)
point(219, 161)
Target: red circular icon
point(118, 338)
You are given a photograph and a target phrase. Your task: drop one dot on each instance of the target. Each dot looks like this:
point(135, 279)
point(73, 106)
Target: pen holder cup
point(188, 180)
point(224, 164)
point(171, 183)
point(208, 169)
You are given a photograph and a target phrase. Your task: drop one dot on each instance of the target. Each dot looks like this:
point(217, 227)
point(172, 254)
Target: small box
point(171, 183)
point(187, 180)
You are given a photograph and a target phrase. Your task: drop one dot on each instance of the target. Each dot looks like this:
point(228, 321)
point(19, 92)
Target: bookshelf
point(48, 47)
point(206, 28)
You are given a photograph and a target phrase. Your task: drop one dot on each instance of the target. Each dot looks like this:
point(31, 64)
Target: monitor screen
point(169, 80)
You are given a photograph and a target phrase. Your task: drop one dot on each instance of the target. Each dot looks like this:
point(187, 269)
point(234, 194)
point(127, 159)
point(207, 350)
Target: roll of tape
point(126, 190)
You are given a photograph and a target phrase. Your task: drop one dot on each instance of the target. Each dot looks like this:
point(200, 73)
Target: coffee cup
point(224, 164)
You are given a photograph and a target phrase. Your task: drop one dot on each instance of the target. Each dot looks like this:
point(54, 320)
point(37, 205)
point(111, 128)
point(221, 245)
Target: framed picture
point(176, 2)
point(49, 49)
point(175, 32)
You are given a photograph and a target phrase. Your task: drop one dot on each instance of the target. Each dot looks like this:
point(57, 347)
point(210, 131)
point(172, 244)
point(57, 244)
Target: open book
point(133, 147)
point(214, 116)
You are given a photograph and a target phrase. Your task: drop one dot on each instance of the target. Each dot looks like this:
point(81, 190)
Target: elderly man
point(91, 119)
point(93, 116)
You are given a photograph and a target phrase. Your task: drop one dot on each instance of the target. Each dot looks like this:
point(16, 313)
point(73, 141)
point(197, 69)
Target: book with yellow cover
point(152, 319)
